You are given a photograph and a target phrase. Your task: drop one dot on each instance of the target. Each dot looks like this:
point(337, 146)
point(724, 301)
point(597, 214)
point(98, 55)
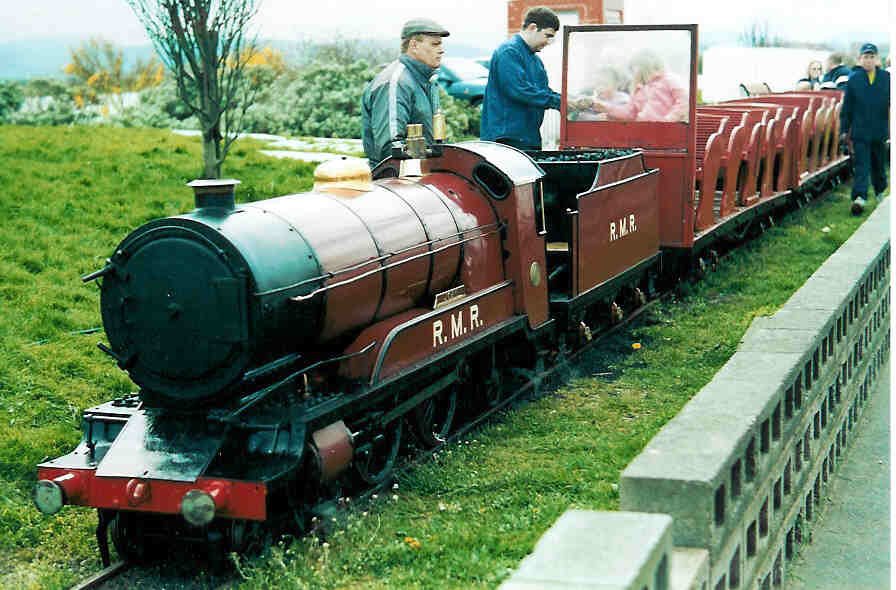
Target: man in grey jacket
point(405, 91)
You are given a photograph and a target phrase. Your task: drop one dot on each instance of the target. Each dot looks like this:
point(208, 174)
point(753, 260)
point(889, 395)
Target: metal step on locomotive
point(285, 348)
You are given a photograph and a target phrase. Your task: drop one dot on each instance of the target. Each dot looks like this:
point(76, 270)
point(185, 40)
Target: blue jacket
point(404, 92)
point(516, 95)
point(865, 114)
point(840, 73)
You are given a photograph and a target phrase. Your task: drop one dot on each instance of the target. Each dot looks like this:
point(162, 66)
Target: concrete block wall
point(741, 469)
point(605, 550)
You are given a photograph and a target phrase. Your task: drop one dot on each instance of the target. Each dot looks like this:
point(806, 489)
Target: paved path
point(309, 149)
point(850, 548)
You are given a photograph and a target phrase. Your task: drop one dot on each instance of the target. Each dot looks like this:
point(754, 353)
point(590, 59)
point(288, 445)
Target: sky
point(473, 22)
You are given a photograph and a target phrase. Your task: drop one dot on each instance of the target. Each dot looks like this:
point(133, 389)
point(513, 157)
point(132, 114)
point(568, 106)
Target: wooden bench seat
point(768, 142)
point(809, 104)
point(743, 176)
point(712, 143)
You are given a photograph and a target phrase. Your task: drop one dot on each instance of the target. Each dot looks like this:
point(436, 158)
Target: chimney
point(215, 192)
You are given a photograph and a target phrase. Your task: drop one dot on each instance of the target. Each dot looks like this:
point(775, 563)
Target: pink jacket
point(662, 98)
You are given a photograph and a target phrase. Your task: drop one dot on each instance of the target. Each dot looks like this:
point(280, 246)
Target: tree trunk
point(211, 150)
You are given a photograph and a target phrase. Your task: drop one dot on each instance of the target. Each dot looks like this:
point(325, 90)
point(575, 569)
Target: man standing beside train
point(405, 92)
point(865, 121)
point(517, 92)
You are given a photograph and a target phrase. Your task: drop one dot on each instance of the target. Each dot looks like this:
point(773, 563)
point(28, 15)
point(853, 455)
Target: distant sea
point(45, 58)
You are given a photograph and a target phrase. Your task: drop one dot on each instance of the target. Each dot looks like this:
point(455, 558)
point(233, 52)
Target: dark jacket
point(404, 92)
point(836, 78)
point(516, 95)
point(865, 114)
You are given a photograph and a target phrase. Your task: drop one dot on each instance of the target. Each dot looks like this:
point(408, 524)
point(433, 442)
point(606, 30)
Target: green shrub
point(322, 100)
point(47, 111)
point(321, 97)
point(159, 106)
point(11, 98)
point(462, 119)
point(52, 102)
point(38, 87)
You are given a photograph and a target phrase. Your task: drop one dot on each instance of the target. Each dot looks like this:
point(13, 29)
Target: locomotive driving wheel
point(433, 418)
point(616, 313)
point(375, 459)
point(486, 379)
point(493, 388)
point(714, 260)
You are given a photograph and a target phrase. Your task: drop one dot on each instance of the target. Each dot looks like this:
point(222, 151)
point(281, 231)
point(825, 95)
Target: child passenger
point(657, 95)
point(609, 86)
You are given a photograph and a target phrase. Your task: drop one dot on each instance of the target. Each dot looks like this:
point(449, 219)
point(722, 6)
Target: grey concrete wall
point(741, 468)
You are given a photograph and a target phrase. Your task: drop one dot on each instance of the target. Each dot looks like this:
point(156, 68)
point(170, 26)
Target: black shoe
point(858, 206)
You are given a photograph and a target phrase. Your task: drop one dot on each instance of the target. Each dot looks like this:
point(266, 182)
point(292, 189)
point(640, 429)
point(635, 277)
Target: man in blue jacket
point(517, 92)
point(405, 91)
point(864, 120)
point(837, 74)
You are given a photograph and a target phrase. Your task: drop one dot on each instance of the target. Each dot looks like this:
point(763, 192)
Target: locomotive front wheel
point(243, 534)
point(433, 418)
point(374, 461)
point(131, 542)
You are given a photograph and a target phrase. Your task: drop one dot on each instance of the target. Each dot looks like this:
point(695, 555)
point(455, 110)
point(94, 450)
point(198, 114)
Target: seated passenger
point(837, 74)
point(812, 80)
point(609, 85)
point(657, 95)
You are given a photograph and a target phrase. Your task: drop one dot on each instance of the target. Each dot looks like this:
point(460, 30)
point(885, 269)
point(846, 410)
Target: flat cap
point(868, 48)
point(423, 26)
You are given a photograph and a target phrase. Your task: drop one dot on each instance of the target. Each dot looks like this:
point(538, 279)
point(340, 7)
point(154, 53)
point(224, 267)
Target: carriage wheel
point(434, 417)
point(699, 268)
point(374, 461)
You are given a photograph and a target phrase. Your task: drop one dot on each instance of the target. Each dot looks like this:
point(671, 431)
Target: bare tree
point(204, 44)
point(758, 34)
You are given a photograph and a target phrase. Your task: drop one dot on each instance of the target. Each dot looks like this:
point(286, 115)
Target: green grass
point(69, 196)
point(465, 520)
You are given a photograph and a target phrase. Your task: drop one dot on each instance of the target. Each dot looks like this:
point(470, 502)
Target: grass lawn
point(70, 194)
point(463, 521)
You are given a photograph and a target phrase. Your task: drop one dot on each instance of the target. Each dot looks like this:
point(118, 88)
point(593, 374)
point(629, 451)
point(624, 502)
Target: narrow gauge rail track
point(99, 579)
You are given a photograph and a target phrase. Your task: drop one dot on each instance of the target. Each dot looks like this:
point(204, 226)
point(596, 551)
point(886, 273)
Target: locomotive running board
point(157, 445)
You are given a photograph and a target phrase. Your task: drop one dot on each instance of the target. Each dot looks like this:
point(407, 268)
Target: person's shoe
point(858, 206)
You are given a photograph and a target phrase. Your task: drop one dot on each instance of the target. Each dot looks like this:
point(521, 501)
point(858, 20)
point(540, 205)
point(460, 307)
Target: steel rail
point(104, 575)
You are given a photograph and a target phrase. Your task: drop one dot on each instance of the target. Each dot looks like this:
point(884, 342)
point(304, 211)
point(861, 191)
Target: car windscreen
point(464, 69)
